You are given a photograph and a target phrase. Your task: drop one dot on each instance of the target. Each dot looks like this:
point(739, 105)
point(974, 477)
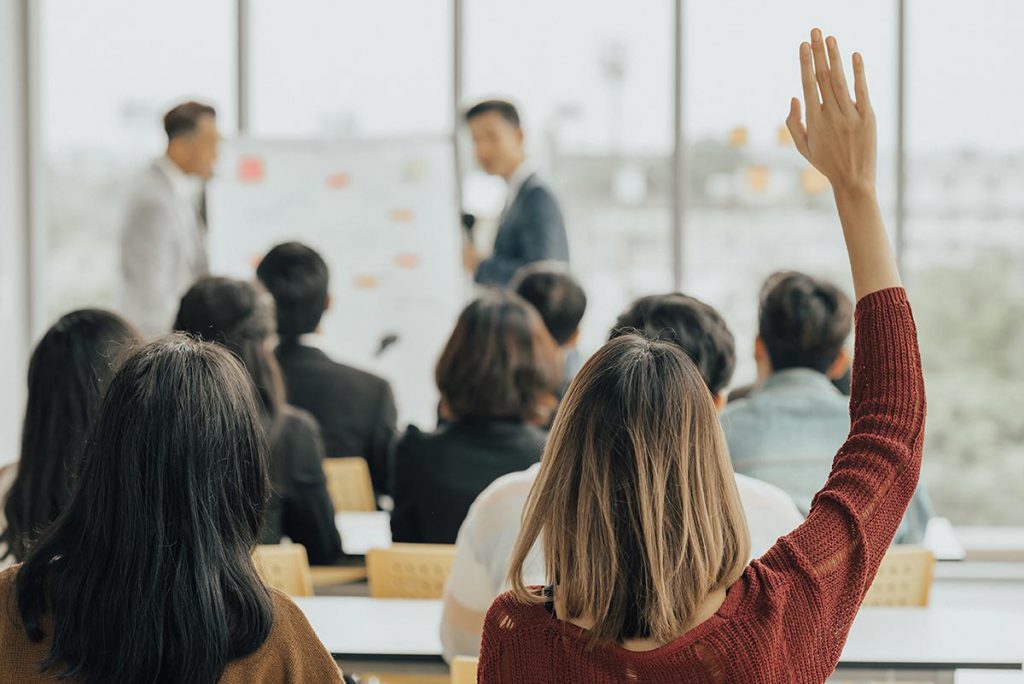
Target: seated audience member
point(787, 428)
point(561, 303)
point(355, 409)
point(147, 575)
point(240, 316)
point(636, 509)
point(484, 546)
point(497, 376)
point(67, 373)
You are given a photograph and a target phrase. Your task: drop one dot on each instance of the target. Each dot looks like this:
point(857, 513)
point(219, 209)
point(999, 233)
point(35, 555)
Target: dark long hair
point(147, 575)
point(69, 369)
point(239, 315)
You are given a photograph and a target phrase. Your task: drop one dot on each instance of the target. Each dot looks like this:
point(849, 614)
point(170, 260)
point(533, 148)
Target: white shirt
point(483, 550)
point(515, 183)
point(187, 188)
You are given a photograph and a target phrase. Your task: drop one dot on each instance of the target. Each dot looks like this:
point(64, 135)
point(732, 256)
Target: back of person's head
point(147, 575)
point(557, 296)
point(184, 118)
point(67, 373)
point(636, 505)
point(499, 363)
point(239, 315)
point(803, 321)
point(296, 275)
point(694, 326)
point(503, 108)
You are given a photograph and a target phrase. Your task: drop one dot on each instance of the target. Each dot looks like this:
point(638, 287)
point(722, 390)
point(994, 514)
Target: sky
point(109, 67)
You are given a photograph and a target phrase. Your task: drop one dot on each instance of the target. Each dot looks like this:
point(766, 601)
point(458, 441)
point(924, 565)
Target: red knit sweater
point(787, 617)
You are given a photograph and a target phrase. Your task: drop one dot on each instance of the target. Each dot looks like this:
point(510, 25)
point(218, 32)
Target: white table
point(903, 643)
point(932, 643)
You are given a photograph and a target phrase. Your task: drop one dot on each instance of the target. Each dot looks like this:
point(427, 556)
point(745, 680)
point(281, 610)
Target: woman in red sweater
point(636, 506)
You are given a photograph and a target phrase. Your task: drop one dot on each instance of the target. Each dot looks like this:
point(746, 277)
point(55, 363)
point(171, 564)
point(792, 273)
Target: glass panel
point(109, 69)
point(594, 86)
point(965, 251)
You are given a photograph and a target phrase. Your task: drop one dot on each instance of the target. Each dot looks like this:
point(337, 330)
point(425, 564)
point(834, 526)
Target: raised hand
point(839, 138)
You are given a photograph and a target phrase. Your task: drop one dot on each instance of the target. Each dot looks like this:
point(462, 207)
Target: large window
point(965, 251)
point(328, 68)
point(108, 70)
point(753, 205)
point(594, 85)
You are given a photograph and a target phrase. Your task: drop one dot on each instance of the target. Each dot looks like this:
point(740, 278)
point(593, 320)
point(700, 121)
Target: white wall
point(13, 201)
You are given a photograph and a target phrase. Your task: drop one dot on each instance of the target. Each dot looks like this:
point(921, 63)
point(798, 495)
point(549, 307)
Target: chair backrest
point(285, 567)
point(464, 670)
point(349, 484)
point(409, 570)
point(904, 578)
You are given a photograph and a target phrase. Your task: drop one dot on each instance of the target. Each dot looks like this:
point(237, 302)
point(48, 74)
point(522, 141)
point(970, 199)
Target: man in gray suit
point(163, 240)
point(531, 227)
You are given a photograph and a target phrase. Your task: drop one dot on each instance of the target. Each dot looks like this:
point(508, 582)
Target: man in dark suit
point(355, 409)
point(531, 227)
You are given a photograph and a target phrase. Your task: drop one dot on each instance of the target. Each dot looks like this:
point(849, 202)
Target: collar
point(800, 378)
point(516, 181)
point(184, 186)
point(313, 339)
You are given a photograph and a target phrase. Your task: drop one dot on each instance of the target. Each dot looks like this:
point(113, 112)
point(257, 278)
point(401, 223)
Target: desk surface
point(937, 638)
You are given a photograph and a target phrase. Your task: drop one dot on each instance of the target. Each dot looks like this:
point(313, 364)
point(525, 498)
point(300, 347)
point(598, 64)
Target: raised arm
point(817, 575)
point(839, 141)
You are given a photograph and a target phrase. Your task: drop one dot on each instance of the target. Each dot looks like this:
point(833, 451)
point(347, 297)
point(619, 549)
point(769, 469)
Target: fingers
point(860, 85)
point(811, 100)
point(821, 70)
point(796, 127)
point(839, 87)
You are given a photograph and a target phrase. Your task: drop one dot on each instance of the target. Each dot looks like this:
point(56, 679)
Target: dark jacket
point(532, 229)
point(355, 409)
point(439, 474)
point(300, 507)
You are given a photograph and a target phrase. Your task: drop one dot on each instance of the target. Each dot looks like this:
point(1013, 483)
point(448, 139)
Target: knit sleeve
point(820, 572)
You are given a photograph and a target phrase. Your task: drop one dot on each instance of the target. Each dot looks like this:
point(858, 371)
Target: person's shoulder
point(764, 494)
point(506, 494)
point(354, 378)
point(508, 611)
point(298, 420)
point(292, 651)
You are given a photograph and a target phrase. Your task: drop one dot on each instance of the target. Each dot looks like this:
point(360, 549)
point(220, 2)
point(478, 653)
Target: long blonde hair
point(636, 503)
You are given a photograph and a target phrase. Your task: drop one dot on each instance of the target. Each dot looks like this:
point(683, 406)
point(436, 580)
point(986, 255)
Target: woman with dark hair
point(240, 316)
point(498, 376)
point(66, 375)
point(147, 575)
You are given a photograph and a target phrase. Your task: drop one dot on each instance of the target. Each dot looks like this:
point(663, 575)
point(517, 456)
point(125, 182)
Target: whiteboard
point(384, 215)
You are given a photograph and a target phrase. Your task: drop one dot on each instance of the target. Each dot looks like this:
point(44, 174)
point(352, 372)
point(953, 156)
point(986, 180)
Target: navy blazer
point(532, 229)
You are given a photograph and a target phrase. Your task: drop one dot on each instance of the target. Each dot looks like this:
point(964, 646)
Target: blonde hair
point(636, 503)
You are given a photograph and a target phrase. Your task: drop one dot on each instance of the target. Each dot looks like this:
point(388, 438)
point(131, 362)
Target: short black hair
point(297, 277)
point(693, 325)
point(506, 109)
point(183, 118)
point(803, 321)
point(556, 295)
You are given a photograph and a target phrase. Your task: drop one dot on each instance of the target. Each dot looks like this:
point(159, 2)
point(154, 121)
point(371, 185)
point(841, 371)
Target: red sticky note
point(250, 169)
point(339, 180)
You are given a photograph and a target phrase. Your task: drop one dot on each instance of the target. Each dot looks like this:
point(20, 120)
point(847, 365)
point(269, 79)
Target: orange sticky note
point(339, 180)
point(250, 169)
point(401, 215)
point(365, 282)
point(407, 260)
